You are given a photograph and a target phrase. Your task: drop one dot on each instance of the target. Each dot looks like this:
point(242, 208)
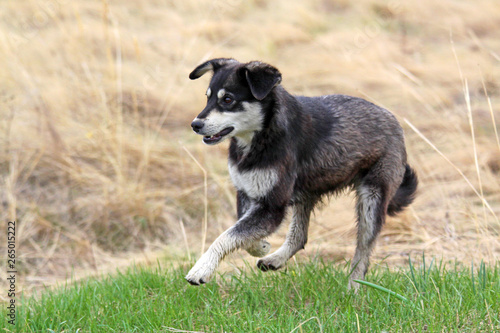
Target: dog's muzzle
point(198, 125)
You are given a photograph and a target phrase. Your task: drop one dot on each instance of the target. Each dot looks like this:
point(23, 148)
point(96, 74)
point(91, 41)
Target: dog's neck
point(251, 146)
point(244, 141)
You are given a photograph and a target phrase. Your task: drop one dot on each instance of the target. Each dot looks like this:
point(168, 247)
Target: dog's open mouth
point(210, 140)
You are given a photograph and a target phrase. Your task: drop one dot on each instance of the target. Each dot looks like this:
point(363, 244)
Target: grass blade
point(472, 277)
point(412, 271)
point(380, 288)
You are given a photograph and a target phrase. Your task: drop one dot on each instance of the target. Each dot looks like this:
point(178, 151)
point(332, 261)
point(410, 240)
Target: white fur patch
point(255, 183)
point(221, 93)
point(209, 92)
point(245, 123)
point(254, 118)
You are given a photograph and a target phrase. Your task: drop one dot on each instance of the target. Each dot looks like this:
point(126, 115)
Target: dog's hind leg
point(371, 210)
point(373, 194)
point(296, 239)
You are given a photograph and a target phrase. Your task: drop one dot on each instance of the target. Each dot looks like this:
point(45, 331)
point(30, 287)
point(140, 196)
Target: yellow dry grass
point(96, 154)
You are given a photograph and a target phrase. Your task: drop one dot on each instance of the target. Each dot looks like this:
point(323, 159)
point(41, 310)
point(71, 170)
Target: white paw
point(259, 248)
point(202, 271)
point(272, 262)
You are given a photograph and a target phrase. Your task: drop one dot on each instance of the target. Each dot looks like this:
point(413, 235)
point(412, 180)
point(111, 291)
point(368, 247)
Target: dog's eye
point(227, 100)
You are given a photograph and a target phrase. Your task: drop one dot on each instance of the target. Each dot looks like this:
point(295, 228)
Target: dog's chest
point(255, 183)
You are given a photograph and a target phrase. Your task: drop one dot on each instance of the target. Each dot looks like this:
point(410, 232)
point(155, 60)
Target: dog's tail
point(405, 194)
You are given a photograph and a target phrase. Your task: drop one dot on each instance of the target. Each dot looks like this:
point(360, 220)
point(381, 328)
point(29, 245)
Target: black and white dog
point(290, 151)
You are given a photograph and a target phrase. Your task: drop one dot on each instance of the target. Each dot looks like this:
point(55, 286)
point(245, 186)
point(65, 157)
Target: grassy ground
point(309, 297)
point(95, 107)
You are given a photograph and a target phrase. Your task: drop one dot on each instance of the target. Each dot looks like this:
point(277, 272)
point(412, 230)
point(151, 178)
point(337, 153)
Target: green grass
point(309, 297)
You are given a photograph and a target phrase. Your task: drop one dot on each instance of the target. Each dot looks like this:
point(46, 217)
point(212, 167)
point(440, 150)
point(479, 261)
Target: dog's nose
point(197, 125)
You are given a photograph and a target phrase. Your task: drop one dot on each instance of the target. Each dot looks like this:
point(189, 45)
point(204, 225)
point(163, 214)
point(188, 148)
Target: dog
point(288, 150)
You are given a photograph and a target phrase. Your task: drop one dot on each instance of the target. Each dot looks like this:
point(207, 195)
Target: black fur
point(261, 79)
point(405, 194)
point(212, 65)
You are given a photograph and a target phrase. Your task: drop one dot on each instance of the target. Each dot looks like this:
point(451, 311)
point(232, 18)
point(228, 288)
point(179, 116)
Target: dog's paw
point(197, 276)
point(272, 262)
point(259, 248)
point(194, 281)
point(354, 286)
point(201, 272)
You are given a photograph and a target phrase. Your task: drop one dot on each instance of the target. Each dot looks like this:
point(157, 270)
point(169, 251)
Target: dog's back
point(337, 139)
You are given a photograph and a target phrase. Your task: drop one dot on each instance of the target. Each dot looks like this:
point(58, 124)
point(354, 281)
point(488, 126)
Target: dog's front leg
point(201, 272)
point(296, 238)
point(257, 248)
point(258, 222)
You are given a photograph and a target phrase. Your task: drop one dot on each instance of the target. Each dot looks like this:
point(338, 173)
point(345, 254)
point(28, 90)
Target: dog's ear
point(210, 65)
point(261, 78)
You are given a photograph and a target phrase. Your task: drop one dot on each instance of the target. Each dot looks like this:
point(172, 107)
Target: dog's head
point(234, 98)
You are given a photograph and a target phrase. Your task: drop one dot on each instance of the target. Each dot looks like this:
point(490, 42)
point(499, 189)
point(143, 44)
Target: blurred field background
point(99, 166)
